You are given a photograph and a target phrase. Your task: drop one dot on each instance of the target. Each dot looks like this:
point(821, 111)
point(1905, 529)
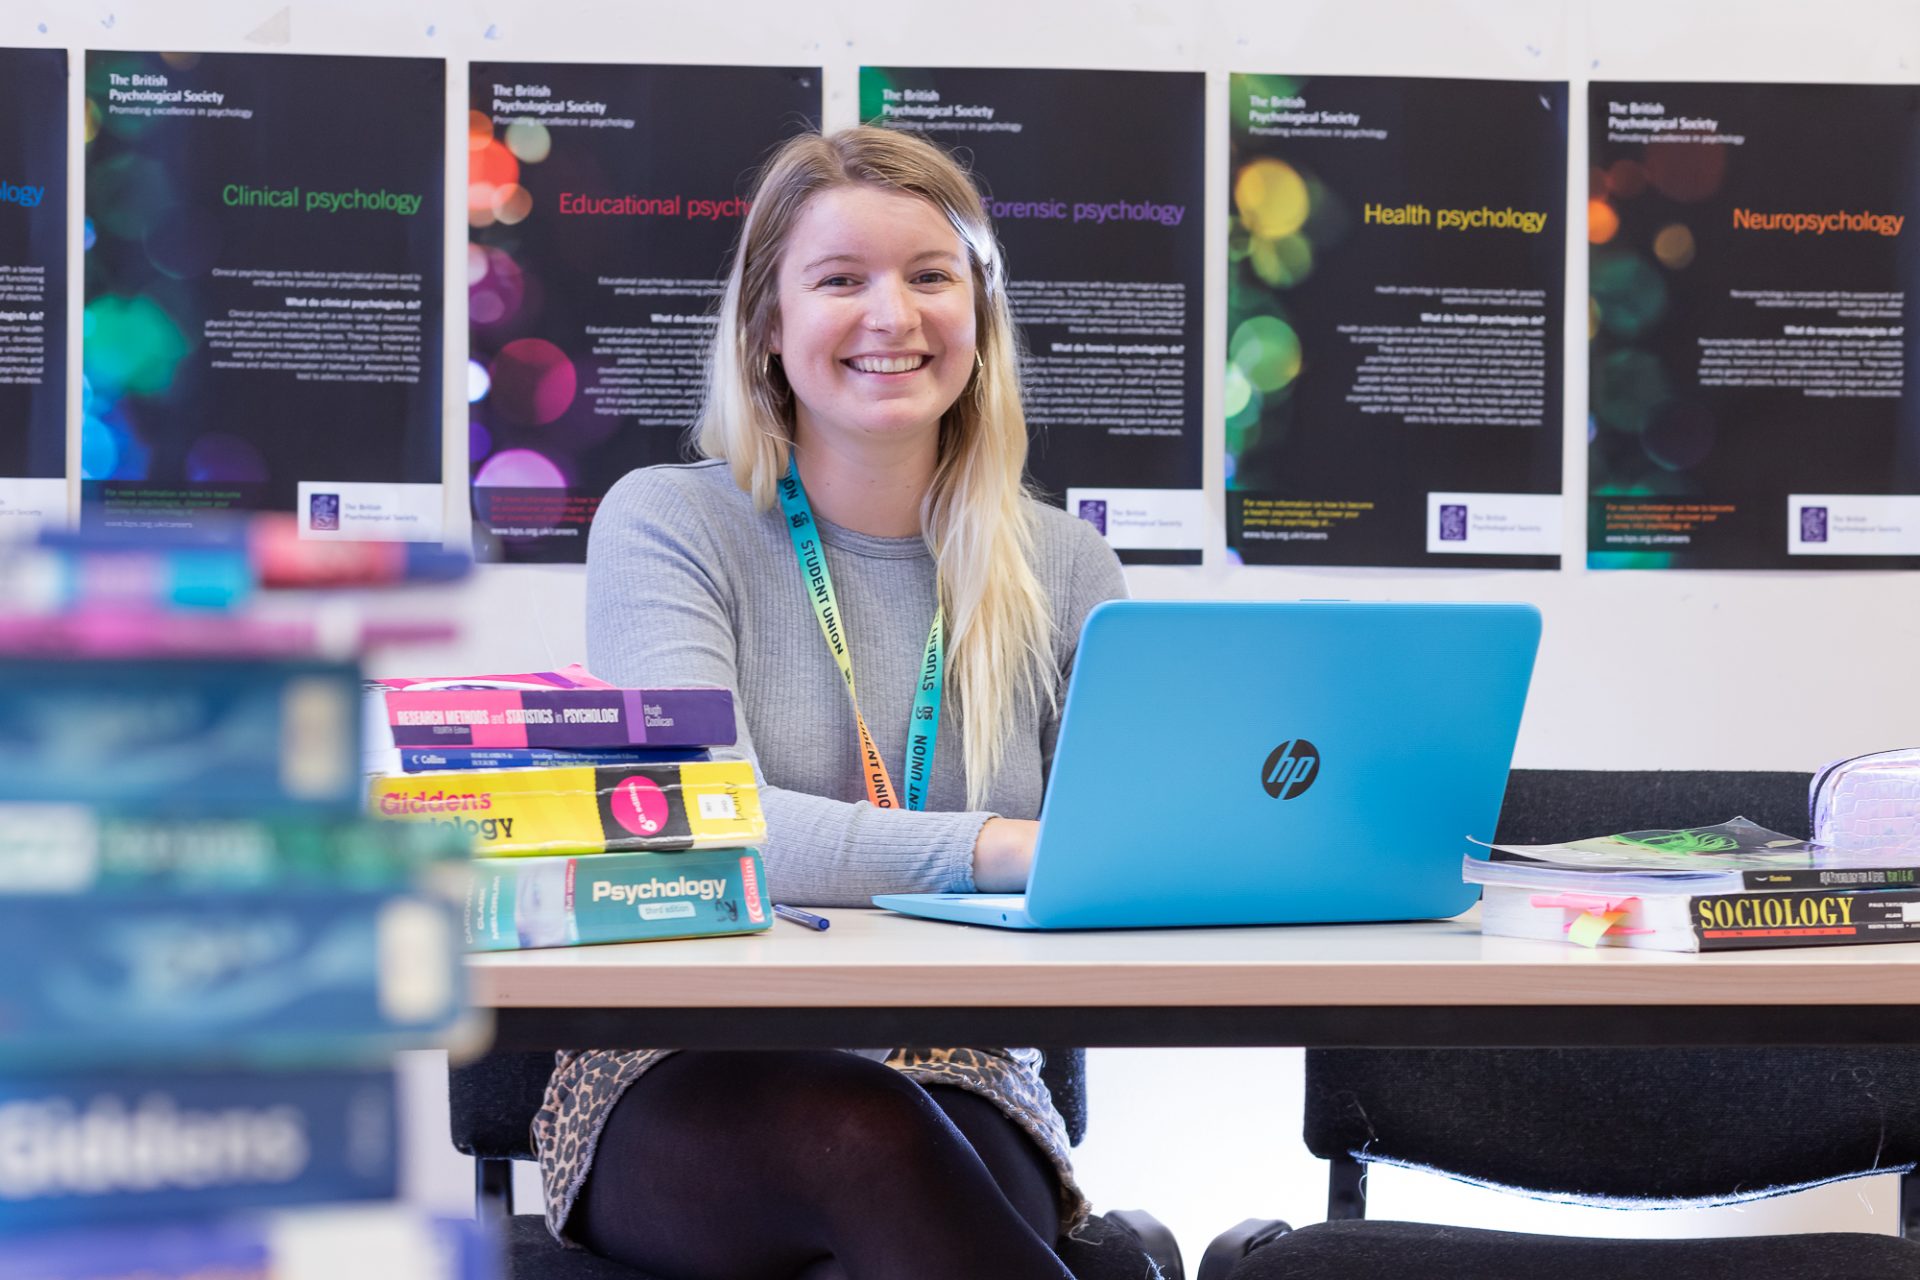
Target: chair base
point(1116, 1247)
point(1363, 1250)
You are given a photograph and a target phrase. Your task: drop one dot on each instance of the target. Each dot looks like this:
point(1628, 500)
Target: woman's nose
point(890, 306)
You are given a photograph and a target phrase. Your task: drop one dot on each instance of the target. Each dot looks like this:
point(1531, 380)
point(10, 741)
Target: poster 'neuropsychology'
point(1751, 265)
point(1395, 299)
point(1094, 181)
point(601, 201)
point(33, 289)
point(263, 324)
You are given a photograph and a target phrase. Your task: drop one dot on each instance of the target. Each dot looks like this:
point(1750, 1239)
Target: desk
point(881, 979)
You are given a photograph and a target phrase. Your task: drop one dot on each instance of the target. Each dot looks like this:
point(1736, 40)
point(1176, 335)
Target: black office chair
point(493, 1101)
point(1643, 1125)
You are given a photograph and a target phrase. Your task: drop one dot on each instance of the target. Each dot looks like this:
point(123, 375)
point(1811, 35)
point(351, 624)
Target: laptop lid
point(1270, 763)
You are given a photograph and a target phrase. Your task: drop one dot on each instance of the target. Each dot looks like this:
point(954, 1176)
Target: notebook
point(1269, 763)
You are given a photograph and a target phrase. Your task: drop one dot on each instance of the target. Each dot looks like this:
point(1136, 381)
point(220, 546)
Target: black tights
point(822, 1165)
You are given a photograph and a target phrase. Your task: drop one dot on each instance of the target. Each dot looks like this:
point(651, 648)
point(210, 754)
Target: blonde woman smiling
point(858, 559)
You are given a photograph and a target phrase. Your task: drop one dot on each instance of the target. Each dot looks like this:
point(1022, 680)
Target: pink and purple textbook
point(569, 709)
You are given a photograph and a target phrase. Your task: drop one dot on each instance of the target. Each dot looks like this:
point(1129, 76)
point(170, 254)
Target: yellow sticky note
point(1592, 926)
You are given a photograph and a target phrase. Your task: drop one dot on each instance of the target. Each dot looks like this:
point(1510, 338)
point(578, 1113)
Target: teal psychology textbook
point(525, 903)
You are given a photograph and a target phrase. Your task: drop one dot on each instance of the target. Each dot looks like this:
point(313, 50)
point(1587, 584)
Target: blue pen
point(797, 916)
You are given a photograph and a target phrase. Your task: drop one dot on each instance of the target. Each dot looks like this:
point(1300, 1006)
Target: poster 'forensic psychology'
point(602, 201)
point(1395, 301)
point(1094, 181)
point(33, 289)
point(1752, 258)
point(264, 266)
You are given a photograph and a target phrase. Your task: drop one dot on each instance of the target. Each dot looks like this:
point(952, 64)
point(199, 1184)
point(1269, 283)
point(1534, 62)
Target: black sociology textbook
point(1735, 885)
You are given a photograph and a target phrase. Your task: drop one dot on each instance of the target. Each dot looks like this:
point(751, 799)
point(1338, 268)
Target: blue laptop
point(1273, 763)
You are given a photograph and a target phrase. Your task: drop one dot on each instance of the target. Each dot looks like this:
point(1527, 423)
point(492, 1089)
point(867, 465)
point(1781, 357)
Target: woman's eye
point(836, 282)
point(933, 277)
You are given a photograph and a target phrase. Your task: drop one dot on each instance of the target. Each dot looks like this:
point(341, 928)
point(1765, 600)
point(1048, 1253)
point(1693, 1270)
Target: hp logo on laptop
point(1291, 769)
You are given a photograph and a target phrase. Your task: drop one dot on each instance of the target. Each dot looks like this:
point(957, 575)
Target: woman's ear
point(773, 339)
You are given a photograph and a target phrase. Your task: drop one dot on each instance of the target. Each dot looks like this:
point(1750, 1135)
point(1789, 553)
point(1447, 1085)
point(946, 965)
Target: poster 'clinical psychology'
point(33, 289)
point(1395, 300)
point(1094, 181)
point(1752, 257)
point(263, 329)
point(602, 201)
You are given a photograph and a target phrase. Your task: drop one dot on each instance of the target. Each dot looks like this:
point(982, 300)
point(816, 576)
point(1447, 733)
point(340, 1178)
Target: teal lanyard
point(923, 730)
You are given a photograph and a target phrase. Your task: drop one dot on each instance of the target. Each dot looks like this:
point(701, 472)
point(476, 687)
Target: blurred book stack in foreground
point(212, 954)
point(597, 814)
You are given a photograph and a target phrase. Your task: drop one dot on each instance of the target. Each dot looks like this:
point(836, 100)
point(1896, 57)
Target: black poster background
point(165, 430)
point(1715, 464)
point(1460, 144)
point(33, 153)
point(1090, 137)
point(566, 412)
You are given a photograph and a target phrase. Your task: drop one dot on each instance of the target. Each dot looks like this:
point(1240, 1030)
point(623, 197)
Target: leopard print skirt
point(585, 1085)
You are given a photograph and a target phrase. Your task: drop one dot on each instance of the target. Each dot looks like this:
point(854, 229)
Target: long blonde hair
point(975, 515)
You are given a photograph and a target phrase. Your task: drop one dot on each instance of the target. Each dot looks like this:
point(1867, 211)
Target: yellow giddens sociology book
point(707, 804)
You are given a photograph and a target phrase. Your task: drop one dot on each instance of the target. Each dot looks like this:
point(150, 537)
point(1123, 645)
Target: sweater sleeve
point(661, 611)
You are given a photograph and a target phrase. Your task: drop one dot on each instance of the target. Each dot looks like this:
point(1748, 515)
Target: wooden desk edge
point(1696, 981)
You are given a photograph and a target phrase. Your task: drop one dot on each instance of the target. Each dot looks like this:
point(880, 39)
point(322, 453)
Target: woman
point(862, 510)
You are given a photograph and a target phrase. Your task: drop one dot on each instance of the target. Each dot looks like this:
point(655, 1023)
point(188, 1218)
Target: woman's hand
point(1003, 854)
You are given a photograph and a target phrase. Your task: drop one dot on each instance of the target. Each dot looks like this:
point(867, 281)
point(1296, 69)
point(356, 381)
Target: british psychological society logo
point(1453, 522)
point(1094, 512)
point(1290, 769)
point(1813, 524)
point(323, 511)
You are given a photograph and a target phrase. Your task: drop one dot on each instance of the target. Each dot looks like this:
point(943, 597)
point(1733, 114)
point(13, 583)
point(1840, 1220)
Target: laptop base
point(999, 910)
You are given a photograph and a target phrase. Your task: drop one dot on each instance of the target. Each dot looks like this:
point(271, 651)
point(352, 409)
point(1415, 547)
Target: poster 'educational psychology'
point(601, 203)
point(1752, 259)
point(33, 290)
point(1094, 181)
point(1395, 299)
point(263, 322)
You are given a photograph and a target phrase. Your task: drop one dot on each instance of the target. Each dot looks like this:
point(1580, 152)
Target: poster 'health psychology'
point(1396, 289)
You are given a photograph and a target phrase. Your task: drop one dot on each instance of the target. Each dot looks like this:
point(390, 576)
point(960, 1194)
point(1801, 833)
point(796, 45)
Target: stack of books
point(1730, 886)
point(211, 952)
point(597, 814)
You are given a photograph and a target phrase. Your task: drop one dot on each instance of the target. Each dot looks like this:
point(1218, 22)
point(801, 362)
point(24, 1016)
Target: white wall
point(1673, 669)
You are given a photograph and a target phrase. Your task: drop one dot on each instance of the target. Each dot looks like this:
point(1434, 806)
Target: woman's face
point(876, 328)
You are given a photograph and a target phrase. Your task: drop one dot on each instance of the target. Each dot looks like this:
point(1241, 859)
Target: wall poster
point(263, 322)
point(602, 201)
point(1750, 277)
point(33, 289)
point(1395, 307)
point(1103, 227)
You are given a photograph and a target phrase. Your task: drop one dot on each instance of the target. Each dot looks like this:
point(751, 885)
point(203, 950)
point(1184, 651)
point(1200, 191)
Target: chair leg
point(1346, 1189)
point(492, 1188)
point(1910, 1205)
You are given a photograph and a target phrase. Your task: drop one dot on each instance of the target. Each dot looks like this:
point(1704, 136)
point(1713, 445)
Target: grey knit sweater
point(687, 585)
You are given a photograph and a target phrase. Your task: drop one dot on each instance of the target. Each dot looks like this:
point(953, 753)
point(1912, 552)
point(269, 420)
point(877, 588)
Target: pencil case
point(1869, 802)
point(705, 804)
